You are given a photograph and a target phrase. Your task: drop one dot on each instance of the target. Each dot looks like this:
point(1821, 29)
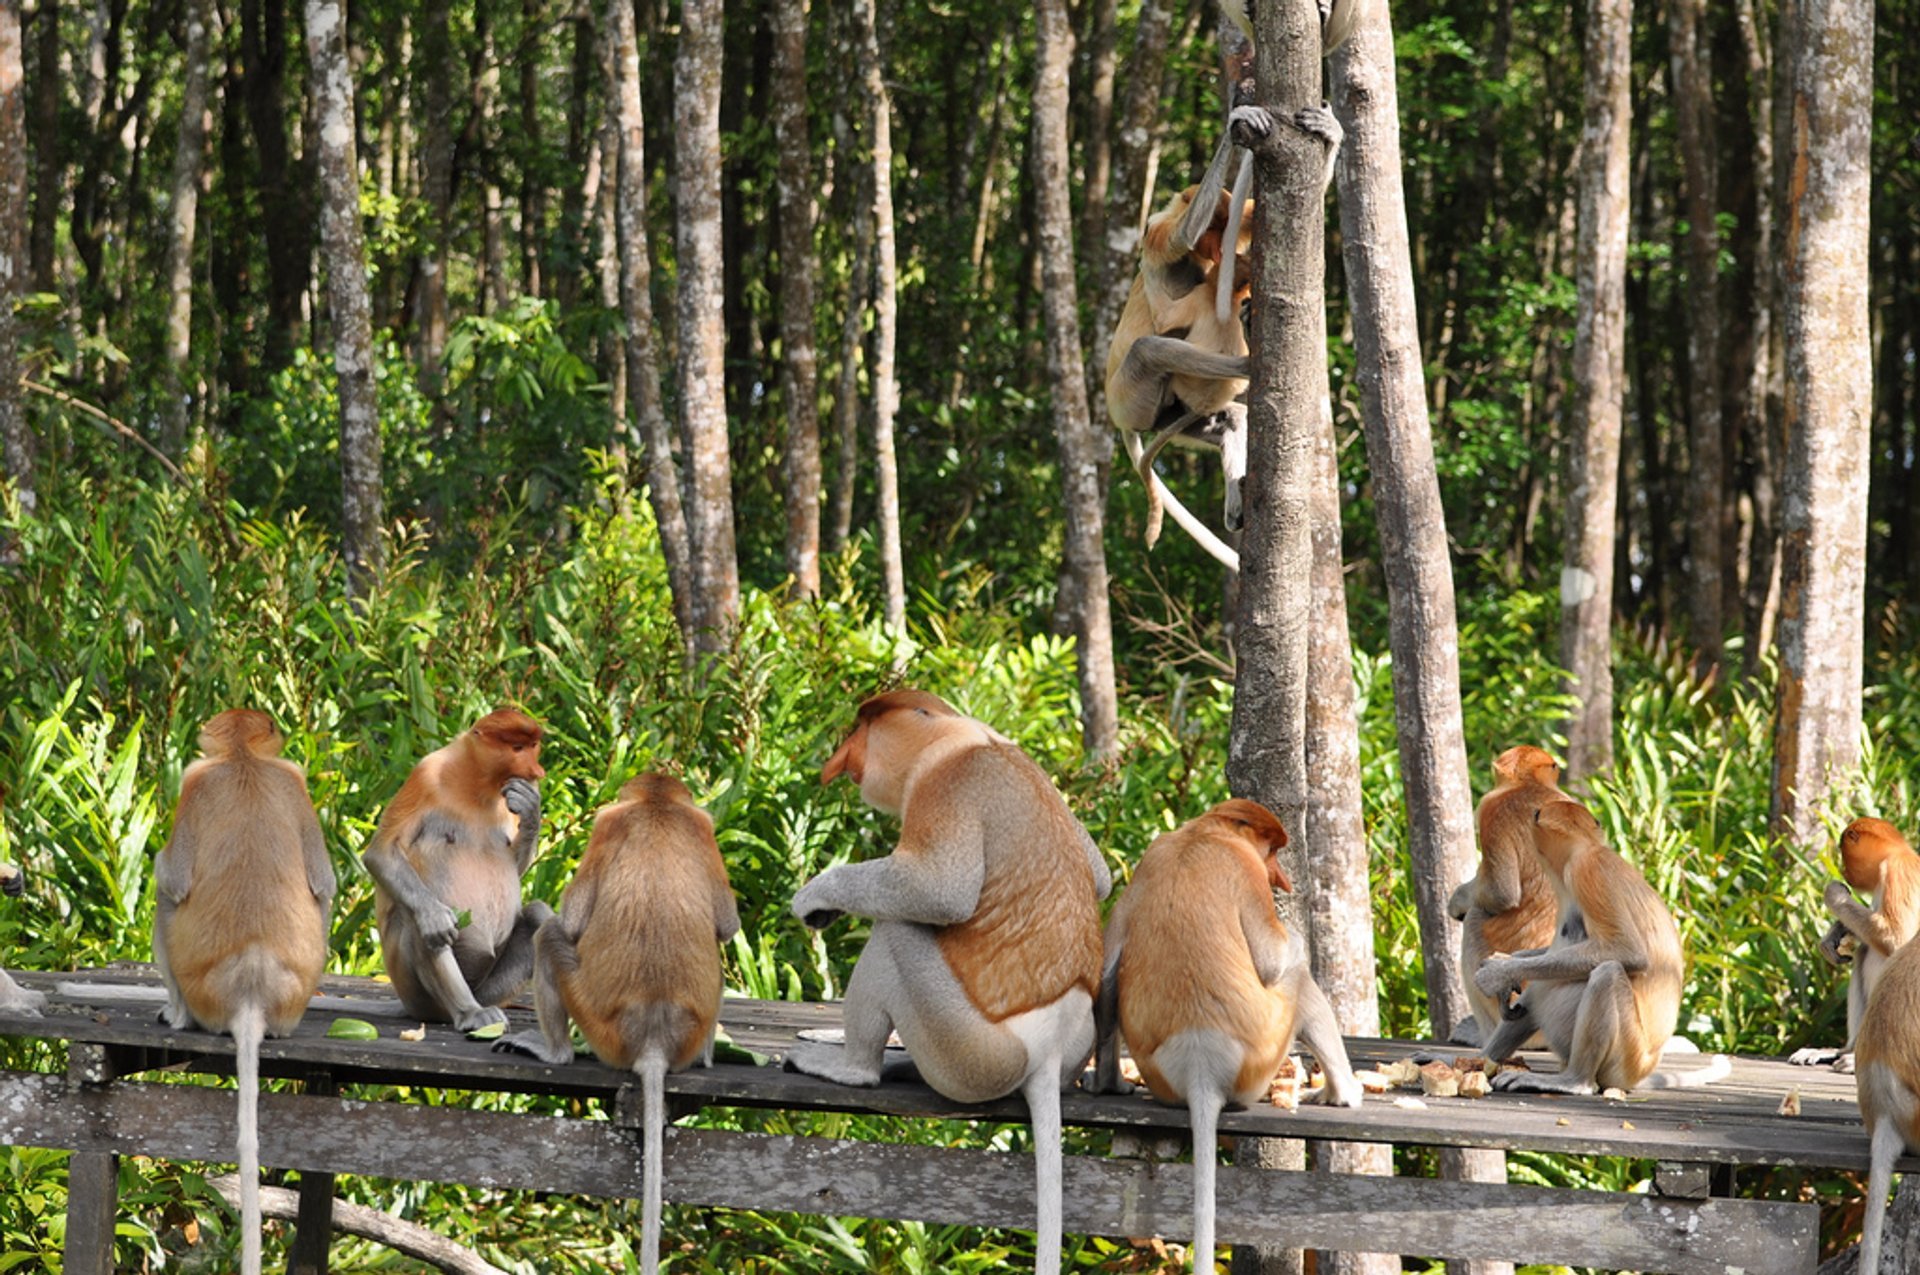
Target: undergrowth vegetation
point(136, 612)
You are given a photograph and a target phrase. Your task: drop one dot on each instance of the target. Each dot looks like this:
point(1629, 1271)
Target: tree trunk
point(1422, 633)
point(533, 190)
point(16, 440)
point(1708, 510)
point(1827, 46)
point(846, 401)
point(703, 401)
point(1086, 556)
point(436, 187)
point(886, 308)
point(188, 165)
point(1266, 752)
point(1096, 153)
point(285, 202)
point(798, 364)
point(49, 166)
point(636, 305)
point(1755, 370)
point(1599, 352)
point(360, 503)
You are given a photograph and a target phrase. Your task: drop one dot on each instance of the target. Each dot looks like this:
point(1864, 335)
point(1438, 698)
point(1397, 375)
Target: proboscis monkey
point(456, 838)
point(1209, 987)
point(1887, 1083)
point(14, 998)
point(240, 917)
point(985, 947)
point(1877, 861)
point(1508, 905)
point(631, 957)
point(1606, 993)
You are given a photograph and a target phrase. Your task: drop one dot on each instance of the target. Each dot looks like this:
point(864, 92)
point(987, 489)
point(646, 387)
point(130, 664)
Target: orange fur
point(655, 870)
point(1526, 779)
point(1890, 1037)
point(1185, 964)
point(1876, 860)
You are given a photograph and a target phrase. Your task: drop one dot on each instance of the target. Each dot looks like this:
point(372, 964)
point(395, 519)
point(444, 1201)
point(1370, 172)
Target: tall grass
point(136, 613)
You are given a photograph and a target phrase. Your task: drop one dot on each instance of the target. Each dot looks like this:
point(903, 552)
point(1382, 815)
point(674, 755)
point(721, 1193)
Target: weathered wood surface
point(1734, 1121)
point(817, 1175)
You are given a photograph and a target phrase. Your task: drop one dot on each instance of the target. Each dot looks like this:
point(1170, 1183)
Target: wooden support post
point(313, 1231)
point(1675, 1180)
point(93, 1178)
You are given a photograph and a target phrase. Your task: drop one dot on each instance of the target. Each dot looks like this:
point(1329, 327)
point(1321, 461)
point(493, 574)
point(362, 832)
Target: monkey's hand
point(1833, 948)
point(1249, 126)
point(1460, 900)
point(813, 906)
point(1497, 979)
point(439, 925)
point(1318, 121)
point(533, 1044)
point(523, 799)
point(1838, 896)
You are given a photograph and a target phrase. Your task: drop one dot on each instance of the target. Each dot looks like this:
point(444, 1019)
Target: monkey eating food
point(1876, 860)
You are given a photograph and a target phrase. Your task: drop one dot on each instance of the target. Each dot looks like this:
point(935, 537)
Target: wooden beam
point(819, 1175)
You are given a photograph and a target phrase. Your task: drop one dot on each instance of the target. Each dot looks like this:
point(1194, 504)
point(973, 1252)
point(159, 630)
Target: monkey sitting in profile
point(458, 837)
point(985, 946)
point(632, 957)
point(1876, 860)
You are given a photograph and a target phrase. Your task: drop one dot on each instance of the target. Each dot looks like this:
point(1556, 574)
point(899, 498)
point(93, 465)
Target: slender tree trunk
point(636, 305)
point(360, 505)
point(1755, 372)
point(846, 401)
point(436, 186)
point(703, 400)
point(16, 439)
point(798, 365)
point(1422, 633)
point(1339, 892)
point(188, 164)
point(1266, 752)
point(1708, 510)
point(285, 200)
point(1828, 48)
point(533, 189)
point(577, 237)
point(886, 309)
point(495, 285)
point(1599, 352)
point(1096, 162)
point(49, 166)
point(1086, 557)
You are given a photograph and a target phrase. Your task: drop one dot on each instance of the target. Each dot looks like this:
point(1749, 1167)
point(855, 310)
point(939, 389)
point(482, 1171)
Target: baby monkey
point(632, 957)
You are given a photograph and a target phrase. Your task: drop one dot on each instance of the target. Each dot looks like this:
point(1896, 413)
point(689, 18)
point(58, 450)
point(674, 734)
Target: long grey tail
point(249, 1028)
point(1042, 1092)
point(1887, 1146)
point(1203, 1111)
point(651, 1067)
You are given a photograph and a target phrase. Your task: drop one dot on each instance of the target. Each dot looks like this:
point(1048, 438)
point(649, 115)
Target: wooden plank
point(819, 1175)
point(93, 1206)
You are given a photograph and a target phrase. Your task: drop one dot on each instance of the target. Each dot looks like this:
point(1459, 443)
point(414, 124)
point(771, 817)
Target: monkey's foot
point(175, 1015)
point(480, 1016)
point(1318, 121)
point(1249, 125)
point(1466, 1032)
point(830, 1063)
point(1339, 1091)
point(1814, 1057)
point(534, 1045)
point(1534, 1082)
point(1844, 1064)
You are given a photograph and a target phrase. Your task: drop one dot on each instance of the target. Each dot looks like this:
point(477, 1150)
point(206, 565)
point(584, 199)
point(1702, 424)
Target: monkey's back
point(1613, 895)
point(1504, 820)
point(1886, 1061)
point(649, 972)
point(250, 927)
point(1035, 933)
point(1186, 965)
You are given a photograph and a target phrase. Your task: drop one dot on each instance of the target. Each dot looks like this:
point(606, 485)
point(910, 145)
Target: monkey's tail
point(1203, 1115)
point(651, 1067)
point(1719, 1067)
point(249, 1027)
point(1887, 1146)
point(1042, 1092)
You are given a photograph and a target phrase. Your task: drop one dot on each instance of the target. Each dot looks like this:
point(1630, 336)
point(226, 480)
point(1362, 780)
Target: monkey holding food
point(458, 837)
point(985, 947)
point(1876, 860)
point(1209, 987)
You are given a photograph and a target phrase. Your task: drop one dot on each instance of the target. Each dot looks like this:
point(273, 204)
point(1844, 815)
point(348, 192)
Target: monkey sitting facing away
point(632, 958)
point(1887, 1083)
point(15, 999)
point(458, 837)
point(1876, 860)
point(240, 916)
point(1606, 992)
point(985, 947)
point(1209, 987)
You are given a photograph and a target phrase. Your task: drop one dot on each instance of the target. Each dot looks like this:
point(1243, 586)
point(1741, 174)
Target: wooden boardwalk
point(1736, 1121)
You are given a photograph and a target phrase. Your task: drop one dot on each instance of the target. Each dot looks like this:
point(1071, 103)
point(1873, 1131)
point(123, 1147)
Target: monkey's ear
point(849, 759)
point(1255, 818)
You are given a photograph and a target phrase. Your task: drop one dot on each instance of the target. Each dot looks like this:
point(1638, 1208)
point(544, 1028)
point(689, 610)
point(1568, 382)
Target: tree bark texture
point(1825, 265)
point(16, 440)
point(1423, 634)
point(1096, 163)
point(285, 197)
point(799, 361)
point(1086, 556)
point(188, 164)
point(1709, 508)
point(1599, 370)
point(49, 165)
point(703, 399)
point(360, 495)
point(636, 305)
point(1266, 751)
point(886, 312)
point(436, 184)
point(846, 400)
